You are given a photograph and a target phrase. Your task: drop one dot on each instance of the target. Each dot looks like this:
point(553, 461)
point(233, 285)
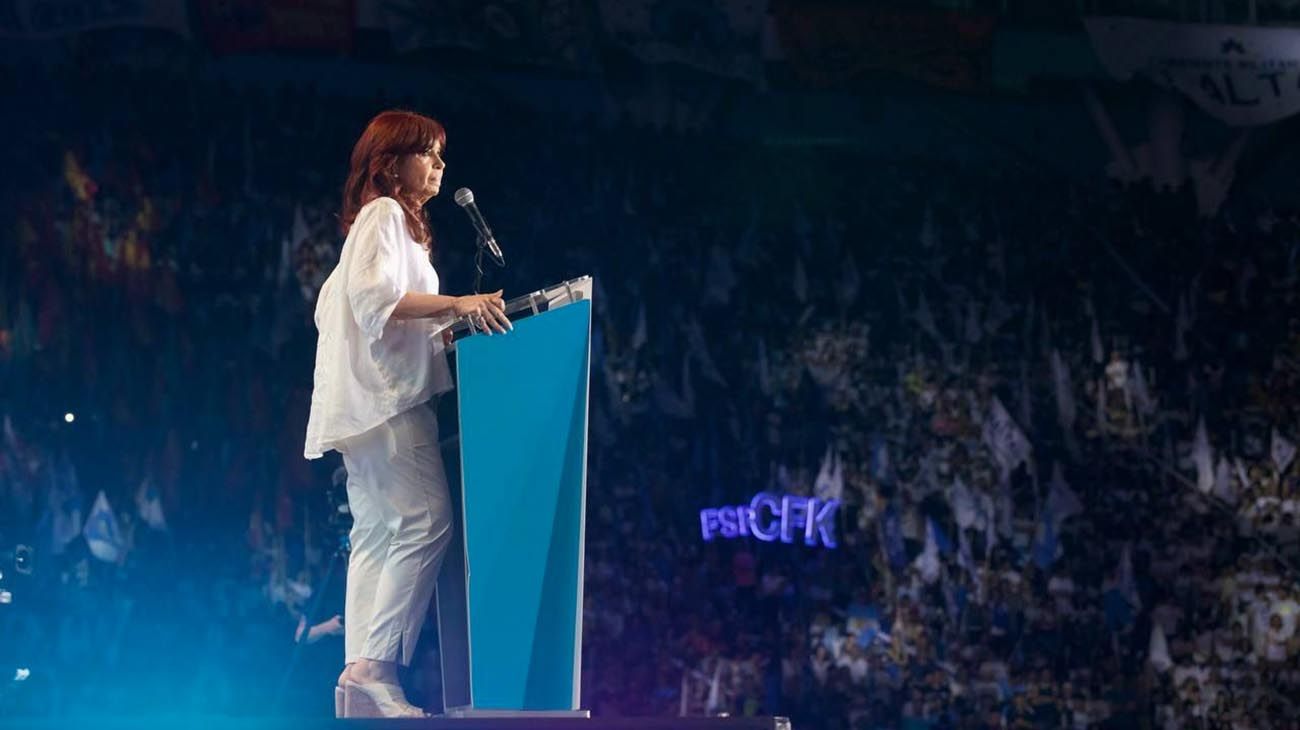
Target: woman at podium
point(380, 360)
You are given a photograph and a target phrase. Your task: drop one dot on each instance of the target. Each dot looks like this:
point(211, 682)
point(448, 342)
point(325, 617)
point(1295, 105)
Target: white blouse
point(369, 367)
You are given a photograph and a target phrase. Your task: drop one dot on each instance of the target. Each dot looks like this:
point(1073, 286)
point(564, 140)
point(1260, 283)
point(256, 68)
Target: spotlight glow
point(69, 417)
point(22, 673)
point(6, 597)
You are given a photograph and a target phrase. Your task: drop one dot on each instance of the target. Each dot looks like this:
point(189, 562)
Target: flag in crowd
point(1203, 458)
point(1004, 438)
point(830, 477)
point(103, 536)
point(1282, 451)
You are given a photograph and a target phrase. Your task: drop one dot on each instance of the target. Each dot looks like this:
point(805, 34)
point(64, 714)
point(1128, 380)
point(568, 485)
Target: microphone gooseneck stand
point(478, 265)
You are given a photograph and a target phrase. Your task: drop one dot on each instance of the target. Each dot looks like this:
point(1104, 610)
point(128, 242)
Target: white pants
point(402, 523)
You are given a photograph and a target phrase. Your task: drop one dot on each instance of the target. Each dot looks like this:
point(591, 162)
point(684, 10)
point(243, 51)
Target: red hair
point(388, 137)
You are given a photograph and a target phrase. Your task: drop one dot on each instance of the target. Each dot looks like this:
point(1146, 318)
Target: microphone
point(465, 199)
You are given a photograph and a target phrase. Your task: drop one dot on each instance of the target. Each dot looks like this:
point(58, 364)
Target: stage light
point(22, 673)
point(6, 597)
point(69, 417)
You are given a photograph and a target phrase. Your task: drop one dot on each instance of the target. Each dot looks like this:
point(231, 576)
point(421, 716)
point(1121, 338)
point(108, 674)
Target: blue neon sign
point(770, 518)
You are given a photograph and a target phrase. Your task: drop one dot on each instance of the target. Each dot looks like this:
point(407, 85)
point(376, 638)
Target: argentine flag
point(102, 534)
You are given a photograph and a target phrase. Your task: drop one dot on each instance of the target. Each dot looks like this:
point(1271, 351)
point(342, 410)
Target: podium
point(509, 598)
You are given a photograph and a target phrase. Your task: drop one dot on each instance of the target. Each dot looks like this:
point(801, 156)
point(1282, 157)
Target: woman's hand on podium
point(486, 311)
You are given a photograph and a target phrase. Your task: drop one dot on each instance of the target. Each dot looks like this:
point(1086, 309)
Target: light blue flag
point(102, 534)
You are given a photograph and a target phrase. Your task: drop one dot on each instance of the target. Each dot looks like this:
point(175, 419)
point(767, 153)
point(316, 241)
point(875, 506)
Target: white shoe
point(378, 699)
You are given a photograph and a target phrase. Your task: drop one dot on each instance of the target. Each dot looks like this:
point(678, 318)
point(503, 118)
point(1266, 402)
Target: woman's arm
point(418, 305)
point(488, 308)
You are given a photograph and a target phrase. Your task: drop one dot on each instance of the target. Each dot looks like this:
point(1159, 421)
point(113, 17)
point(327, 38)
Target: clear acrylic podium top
point(527, 305)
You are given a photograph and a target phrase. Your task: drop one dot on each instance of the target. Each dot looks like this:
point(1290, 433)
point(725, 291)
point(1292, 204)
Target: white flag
point(1283, 451)
point(1158, 649)
point(714, 702)
point(830, 478)
point(927, 563)
point(963, 504)
point(1065, 408)
point(639, 336)
point(1220, 68)
point(1243, 477)
point(1062, 502)
point(148, 503)
point(1203, 458)
point(1005, 439)
point(989, 513)
point(102, 534)
point(1223, 481)
point(1138, 391)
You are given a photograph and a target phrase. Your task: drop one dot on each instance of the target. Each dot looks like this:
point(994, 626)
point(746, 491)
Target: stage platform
point(435, 723)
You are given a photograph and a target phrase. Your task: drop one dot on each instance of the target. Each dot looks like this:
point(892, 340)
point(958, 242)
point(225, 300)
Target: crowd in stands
point(1059, 417)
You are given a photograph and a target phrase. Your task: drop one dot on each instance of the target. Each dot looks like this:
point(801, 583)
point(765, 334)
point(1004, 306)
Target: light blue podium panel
point(523, 448)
